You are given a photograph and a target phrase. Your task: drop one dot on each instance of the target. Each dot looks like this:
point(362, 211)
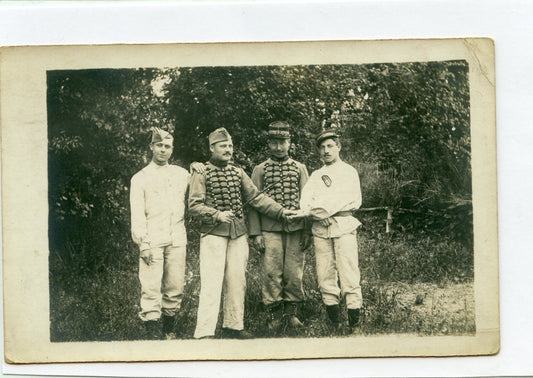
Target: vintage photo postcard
point(249, 201)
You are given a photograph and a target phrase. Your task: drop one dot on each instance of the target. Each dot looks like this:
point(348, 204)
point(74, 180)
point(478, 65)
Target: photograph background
point(404, 126)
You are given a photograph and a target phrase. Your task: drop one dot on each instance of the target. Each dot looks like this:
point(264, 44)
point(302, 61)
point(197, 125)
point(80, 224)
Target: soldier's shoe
point(334, 313)
point(229, 333)
point(335, 319)
point(152, 330)
point(353, 317)
point(169, 326)
point(291, 310)
point(274, 317)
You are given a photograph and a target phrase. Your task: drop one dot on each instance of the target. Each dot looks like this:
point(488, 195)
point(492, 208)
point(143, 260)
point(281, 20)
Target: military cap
point(326, 134)
point(279, 130)
point(158, 135)
point(219, 135)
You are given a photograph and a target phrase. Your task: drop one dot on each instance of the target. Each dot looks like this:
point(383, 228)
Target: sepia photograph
point(404, 128)
point(252, 201)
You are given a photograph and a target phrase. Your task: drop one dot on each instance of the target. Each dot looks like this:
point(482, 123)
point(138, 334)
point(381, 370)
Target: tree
point(97, 131)
point(406, 126)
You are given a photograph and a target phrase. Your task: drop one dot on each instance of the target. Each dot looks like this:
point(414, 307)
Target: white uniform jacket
point(157, 200)
point(332, 189)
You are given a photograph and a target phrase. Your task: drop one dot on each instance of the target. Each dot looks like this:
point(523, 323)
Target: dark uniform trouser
point(283, 267)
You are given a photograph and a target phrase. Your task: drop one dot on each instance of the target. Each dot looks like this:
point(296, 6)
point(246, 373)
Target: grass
point(412, 284)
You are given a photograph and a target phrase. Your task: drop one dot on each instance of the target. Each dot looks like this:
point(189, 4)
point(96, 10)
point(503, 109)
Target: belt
point(347, 213)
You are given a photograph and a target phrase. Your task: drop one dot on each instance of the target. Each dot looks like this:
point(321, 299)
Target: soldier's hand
point(147, 256)
point(197, 167)
point(259, 243)
point(326, 222)
point(294, 214)
point(225, 216)
point(287, 214)
point(305, 241)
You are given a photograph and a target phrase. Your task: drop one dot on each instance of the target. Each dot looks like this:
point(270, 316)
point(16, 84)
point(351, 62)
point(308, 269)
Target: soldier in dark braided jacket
point(283, 243)
point(216, 198)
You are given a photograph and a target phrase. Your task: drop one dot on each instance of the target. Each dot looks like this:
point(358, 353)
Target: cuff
point(144, 246)
point(209, 217)
point(280, 215)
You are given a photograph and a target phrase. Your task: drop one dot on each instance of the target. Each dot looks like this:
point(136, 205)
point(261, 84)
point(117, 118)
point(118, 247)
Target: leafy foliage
point(407, 124)
point(97, 122)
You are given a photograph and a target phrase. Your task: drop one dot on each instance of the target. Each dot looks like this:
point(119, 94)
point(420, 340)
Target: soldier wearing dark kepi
point(283, 243)
point(216, 198)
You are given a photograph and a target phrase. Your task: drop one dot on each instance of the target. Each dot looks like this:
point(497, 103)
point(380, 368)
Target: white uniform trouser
point(337, 258)
point(222, 269)
point(162, 282)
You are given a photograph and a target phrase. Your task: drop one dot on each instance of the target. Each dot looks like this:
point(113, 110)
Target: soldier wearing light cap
point(283, 243)
point(217, 197)
point(329, 198)
point(157, 200)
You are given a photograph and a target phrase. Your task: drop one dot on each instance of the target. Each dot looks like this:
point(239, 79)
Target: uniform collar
point(273, 160)
point(333, 166)
point(337, 163)
point(218, 163)
point(284, 159)
point(154, 167)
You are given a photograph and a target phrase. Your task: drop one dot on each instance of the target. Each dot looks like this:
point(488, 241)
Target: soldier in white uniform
point(157, 200)
point(330, 196)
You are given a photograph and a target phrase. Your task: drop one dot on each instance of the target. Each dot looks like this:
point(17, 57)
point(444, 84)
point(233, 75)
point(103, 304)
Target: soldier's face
point(279, 147)
point(329, 151)
point(161, 152)
point(222, 151)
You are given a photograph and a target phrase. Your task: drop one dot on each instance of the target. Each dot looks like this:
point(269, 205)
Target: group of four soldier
point(285, 207)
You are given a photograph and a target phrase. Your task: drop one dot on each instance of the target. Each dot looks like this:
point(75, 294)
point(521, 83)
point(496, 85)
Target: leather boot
point(229, 333)
point(353, 317)
point(335, 318)
point(291, 310)
point(169, 325)
point(333, 313)
point(153, 329)
point(274, 316)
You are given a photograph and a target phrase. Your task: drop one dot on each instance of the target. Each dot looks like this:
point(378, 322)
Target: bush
point(397, 257)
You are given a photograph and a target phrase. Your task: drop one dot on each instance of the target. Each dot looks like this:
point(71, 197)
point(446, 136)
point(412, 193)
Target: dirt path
point(445, 310)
